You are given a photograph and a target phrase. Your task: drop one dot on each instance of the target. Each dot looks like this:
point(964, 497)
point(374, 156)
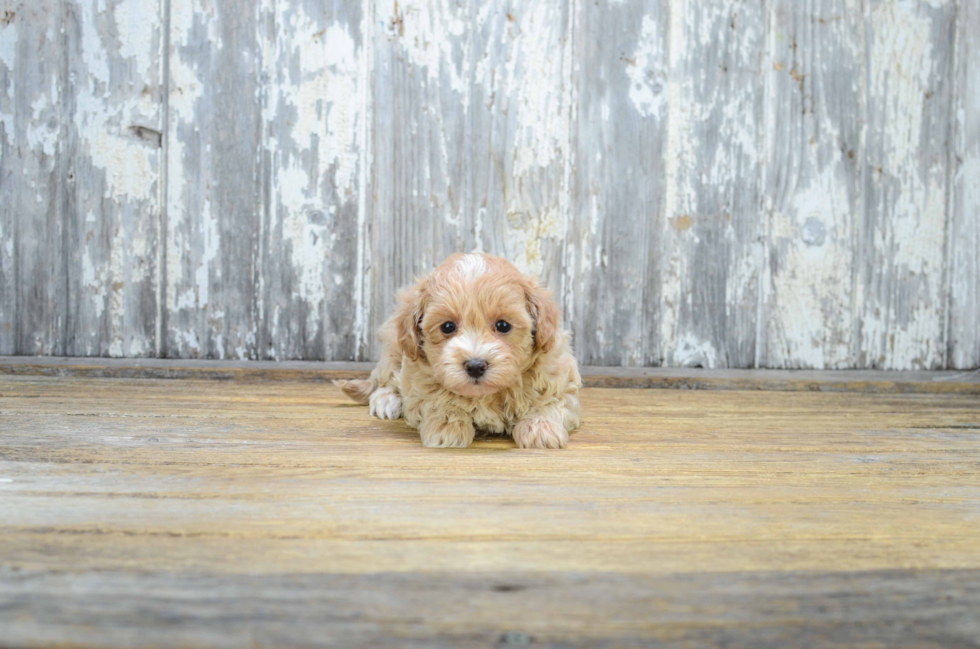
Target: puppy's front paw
point(386, 404)
point(446, 434)
point(539, 432)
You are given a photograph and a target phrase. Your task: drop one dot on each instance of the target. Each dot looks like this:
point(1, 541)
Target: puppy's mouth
point(479, 387)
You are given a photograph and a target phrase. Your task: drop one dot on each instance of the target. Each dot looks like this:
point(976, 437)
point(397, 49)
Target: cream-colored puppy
point(475, 345)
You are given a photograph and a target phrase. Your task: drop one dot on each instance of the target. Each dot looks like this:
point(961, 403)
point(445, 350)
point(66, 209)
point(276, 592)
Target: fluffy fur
point(530, 388)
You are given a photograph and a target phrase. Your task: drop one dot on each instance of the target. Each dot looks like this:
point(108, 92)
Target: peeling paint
point(645, 207)
point(645, 70)
point(905, 325)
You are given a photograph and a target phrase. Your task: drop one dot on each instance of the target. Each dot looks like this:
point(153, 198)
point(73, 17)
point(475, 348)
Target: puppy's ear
point(409, 320)
point(545, 314)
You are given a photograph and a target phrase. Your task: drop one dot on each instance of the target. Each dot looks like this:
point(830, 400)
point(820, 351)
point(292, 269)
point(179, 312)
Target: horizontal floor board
point(870, 381)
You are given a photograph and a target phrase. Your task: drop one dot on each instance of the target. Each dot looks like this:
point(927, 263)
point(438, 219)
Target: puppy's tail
point(358, 390)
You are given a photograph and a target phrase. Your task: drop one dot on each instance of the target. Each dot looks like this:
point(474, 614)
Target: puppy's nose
point(476, 368)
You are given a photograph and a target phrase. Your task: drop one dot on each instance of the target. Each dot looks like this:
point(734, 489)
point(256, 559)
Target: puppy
point(475, 345)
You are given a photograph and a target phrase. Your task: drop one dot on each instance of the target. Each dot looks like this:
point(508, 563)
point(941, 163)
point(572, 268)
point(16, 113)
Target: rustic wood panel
point(34, 180)
point(814, 197)
point(712, 247)
point(158, 513)
point(903, 234)
point(313, 98)
point(964, 229)
point(214, 193)
point(114, 138)
point(723, 183)
point(470, 139)
point(613, 263)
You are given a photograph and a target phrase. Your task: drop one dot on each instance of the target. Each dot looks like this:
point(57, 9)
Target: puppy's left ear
point(408, 319)
point(545, 314)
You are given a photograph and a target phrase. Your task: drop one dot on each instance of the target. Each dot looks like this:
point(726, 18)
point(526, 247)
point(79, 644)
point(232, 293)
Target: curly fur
point(530, 389)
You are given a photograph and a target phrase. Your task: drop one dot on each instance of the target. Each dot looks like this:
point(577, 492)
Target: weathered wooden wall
point(727, 183)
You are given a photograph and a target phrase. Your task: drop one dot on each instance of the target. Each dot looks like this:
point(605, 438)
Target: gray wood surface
point(902, 257)
point(723, 183)
point(813, 198)
point(189, 513)
point(895, 608)
point(33, 178)
point(614, 268)
point(114, 139)
point(964, 232)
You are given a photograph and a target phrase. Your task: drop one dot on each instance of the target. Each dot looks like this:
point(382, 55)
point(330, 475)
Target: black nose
point(476, 368)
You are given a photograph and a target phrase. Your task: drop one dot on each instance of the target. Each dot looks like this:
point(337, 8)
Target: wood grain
point(192, 513)
point(313, 109)
point(964, 218)
point(34, 162)
point(711, 250)
point(613, 263)
point(750, 610)
point(901, 288)
point(814, 195)
point(114, 140)
point(214, 193)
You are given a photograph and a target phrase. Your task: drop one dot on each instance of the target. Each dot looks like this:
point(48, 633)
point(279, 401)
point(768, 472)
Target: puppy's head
point(478, 322)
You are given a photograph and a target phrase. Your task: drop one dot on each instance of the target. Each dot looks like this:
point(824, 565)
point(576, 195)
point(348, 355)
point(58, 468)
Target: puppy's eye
point(448, 327)
point(503, 326)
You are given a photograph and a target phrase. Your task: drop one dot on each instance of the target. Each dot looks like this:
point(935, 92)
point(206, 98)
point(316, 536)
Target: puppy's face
point(477, 321)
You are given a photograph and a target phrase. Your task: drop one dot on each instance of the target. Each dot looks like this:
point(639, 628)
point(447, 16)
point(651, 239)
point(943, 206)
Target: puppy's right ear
point(411, 308)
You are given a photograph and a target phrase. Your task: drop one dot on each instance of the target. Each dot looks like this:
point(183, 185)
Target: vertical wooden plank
point(902, 245)
point(421, 194)
point(964, 235)
point(615, 230)
point(214, 182)
point(712, 247)
point(313, 117)
point(115, 138)
point(470, 139)
point(813, 196)
point(33, 177)
point(9, 38)
point(517, 116)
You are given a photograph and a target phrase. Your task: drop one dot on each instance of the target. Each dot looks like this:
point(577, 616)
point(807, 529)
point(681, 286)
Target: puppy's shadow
point(398, 429)
point(483, 441)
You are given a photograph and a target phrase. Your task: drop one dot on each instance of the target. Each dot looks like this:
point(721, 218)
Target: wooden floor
point(179, 513)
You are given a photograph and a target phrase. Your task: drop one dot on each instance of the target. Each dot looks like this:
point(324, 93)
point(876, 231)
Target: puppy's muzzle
point(476, 367)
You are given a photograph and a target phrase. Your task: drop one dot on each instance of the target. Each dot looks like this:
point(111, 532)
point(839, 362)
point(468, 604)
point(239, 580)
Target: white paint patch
point(691, 352)
point(471, 266)
point(43, 131)
point(8, 45)
point(316, 68)
point(536, 70)
point(428, 33)
point(647, 71)
point(810, 317)
point(136, 32)
point(526, 235)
